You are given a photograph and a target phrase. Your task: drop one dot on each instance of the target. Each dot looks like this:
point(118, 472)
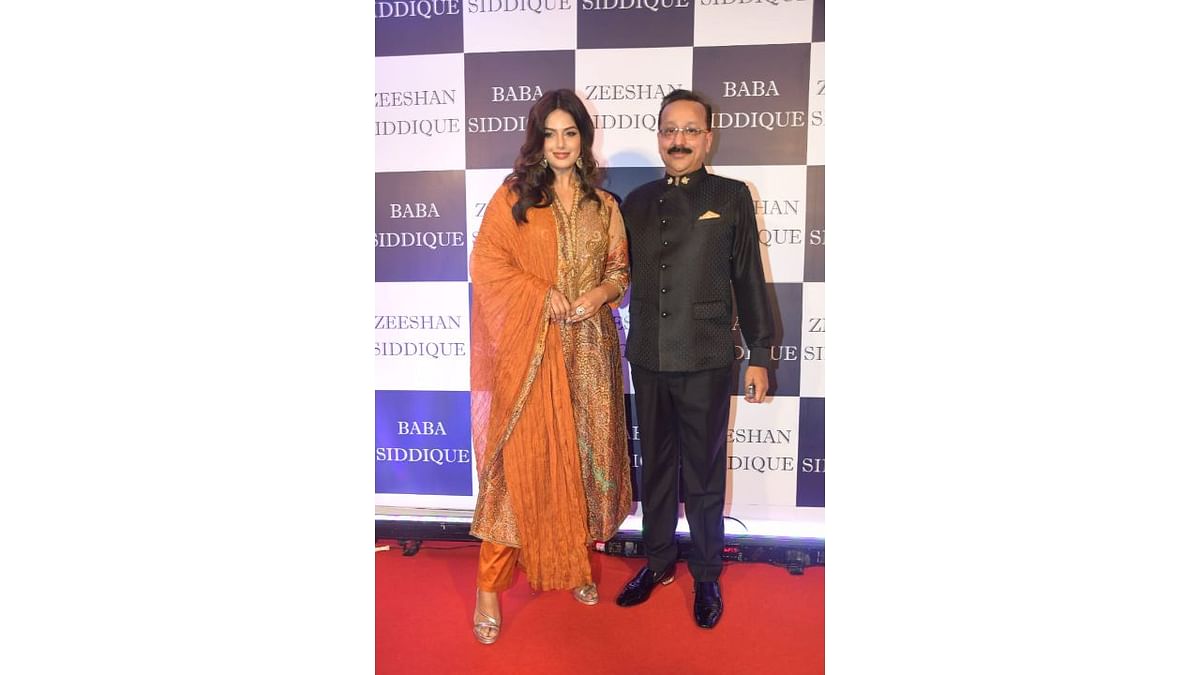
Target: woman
point(548, 415)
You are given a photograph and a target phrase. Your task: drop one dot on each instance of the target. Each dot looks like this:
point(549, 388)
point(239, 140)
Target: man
point(692, 236)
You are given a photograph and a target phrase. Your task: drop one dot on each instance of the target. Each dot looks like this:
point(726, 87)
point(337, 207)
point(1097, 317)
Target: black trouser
point(683, 416)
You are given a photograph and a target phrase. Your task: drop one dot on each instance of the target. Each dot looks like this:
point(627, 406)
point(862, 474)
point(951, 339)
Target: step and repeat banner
point(454, 81)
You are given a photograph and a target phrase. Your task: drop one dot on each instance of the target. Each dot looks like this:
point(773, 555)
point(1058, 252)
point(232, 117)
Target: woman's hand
point(559, 307)
point(588, 304)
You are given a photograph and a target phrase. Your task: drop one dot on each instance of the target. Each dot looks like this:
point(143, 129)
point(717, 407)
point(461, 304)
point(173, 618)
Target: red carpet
point(773, 621)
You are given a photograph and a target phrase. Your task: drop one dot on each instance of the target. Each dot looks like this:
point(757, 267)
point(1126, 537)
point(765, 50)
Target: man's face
point(681, 152)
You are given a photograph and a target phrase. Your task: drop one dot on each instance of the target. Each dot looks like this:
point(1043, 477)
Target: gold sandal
point(488, 623)
point(587, 594)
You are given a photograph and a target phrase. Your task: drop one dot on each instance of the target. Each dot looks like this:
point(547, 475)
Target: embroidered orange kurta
point(547, 405)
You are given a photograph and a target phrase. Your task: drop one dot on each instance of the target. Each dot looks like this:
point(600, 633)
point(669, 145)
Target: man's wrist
point(760, 356)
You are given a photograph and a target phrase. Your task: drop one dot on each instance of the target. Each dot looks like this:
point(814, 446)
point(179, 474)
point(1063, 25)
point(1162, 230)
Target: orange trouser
point(497, 563)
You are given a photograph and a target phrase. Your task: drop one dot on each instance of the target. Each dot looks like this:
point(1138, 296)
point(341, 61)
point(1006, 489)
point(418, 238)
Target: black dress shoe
point(708, 605)
point(639, 587)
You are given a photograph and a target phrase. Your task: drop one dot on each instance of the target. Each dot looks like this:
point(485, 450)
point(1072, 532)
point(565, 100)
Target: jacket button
point(664, 290)
point(663, 221)
point(666, 243)
point(666, 314)
point(662, 266)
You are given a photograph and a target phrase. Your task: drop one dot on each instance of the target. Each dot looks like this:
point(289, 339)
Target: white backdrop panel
point(421, 127)
point(423, 328)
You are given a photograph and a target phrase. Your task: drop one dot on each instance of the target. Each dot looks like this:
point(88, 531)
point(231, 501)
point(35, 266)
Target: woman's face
point(563, 142)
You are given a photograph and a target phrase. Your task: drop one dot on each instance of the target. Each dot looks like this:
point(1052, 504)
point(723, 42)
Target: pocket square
point(708, 215)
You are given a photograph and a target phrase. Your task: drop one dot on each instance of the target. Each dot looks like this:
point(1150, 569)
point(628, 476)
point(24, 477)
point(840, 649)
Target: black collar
point(688, 179)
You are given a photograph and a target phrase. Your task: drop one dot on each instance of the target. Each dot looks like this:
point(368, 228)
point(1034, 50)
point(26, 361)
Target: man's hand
point(756, 384)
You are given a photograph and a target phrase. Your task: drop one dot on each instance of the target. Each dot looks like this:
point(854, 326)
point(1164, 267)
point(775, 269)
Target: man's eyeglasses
point(690, 132)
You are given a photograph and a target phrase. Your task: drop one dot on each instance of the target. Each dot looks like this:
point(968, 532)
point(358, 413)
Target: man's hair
point(686, 95)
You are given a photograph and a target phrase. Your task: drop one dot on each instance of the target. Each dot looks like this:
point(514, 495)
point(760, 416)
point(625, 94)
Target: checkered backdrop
point(454, 81)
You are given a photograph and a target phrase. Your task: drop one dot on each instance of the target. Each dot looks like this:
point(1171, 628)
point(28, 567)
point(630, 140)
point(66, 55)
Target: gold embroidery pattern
point(591, 351)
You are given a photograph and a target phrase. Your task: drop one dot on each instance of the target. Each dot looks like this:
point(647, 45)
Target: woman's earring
point(545, 163)
point(579, 163)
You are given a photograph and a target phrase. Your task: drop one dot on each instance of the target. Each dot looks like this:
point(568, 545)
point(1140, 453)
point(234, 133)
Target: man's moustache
point(679, 148)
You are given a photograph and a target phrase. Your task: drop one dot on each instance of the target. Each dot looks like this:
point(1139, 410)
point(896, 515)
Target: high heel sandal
point(587, 594)
point(488, 623)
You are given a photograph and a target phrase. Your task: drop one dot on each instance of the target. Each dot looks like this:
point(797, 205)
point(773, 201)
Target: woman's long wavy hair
point(529, 180)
